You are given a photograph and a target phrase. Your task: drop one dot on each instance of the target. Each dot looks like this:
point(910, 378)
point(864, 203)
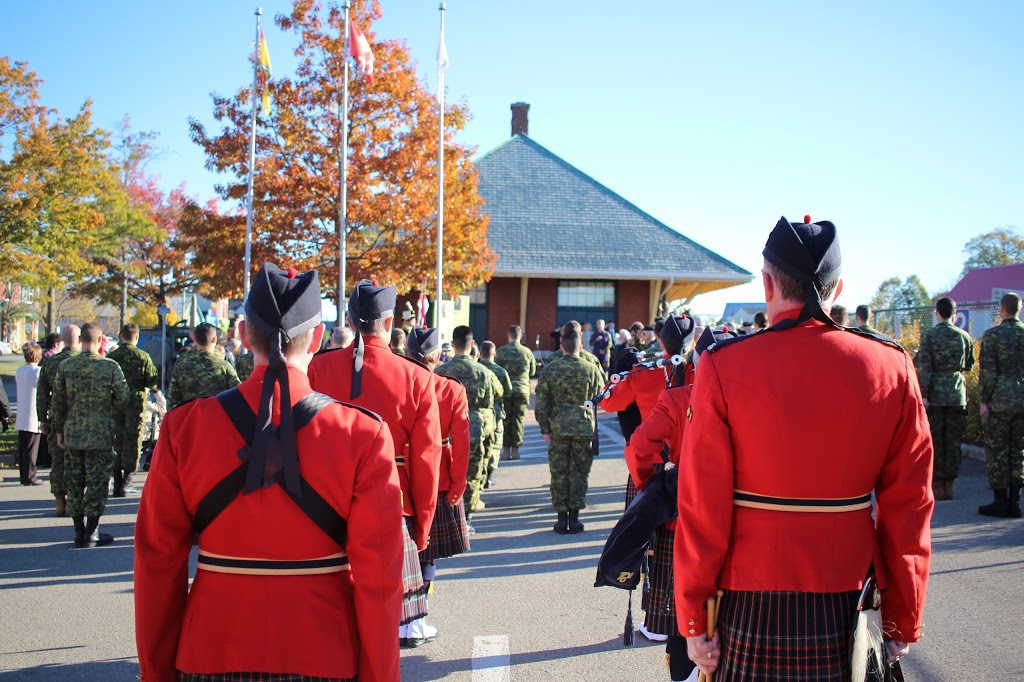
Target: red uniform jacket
point(453, 408)
point(641, 386)
point(664, 424)
point(401, 391)
point(769, 415)
point(325, 625)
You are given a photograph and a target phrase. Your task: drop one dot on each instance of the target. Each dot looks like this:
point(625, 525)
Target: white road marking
point(609, 432)
point(490, 659)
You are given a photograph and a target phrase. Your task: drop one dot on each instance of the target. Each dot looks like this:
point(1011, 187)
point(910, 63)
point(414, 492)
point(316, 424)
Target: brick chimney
point(520, 118)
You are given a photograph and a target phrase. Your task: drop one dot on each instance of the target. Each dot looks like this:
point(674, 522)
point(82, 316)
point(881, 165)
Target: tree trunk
point(124, 301)
point(51, 312)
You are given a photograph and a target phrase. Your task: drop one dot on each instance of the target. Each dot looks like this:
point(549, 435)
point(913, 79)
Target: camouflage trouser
point(494, 448)
point(569, 460)
point(1004, 448)
point(515, 413)
point(58, 488)
point(88, 474)
point(477, 474)
point(948, 425)
point(130, 445)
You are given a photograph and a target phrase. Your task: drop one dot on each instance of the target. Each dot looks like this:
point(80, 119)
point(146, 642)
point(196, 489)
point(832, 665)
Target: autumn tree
point(893, 293)
point(1001, 246)
point(392, 177)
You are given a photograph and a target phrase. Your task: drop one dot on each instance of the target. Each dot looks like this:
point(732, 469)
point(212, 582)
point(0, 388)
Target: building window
point(586, 294)
point(478, 295)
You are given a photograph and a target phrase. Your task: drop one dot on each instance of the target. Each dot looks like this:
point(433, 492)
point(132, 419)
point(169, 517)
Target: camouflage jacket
point(1002, 367)
point(200, 374)
point(482, 388)
point(946, 352)
point(47, 374)
point(244, 365)
point(90, 396)
point(506, 387)
point(562, 389)
point(520, 364)
point(139, 371)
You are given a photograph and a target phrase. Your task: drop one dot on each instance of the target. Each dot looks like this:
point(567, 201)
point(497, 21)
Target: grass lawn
point(7, 369)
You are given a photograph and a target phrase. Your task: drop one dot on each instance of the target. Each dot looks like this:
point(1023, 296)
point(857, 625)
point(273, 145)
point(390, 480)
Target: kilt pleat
point(449, 533)
point(802, 636)
point(661, 602)
point(631, 491)
point(414, 590)
point(257, 677)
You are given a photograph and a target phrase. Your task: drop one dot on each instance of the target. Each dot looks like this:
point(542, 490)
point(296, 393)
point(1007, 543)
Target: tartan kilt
point(661, 602)
point(631, 491)
point(804, 636)
point(414, 597)
point(257, 677)
point(449, 533)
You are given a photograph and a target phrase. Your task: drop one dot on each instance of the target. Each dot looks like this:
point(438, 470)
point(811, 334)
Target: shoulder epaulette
point(325, 351)
point(368, 413)
point(183, 402)
point(445, 376)
point(718, 345)
point(879, 338)
point(413, 361)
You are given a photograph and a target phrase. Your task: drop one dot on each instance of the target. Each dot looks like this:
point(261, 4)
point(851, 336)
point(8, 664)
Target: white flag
point(442, 55)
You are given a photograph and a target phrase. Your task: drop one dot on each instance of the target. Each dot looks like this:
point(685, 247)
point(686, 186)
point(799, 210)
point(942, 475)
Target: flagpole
point(252, 160)
point(343, 171)
point(440, 177)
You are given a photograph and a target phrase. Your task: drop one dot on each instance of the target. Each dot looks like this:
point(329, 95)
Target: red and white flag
point(360, 51)
point(422, 306)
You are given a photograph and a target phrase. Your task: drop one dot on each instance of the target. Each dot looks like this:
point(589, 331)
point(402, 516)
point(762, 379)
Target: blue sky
point(901, 122)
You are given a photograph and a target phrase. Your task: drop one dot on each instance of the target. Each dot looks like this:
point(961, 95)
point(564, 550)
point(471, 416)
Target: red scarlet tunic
point(327, 625)
point(641, 386)
point(664, 424)
point(776, 436)
point(453, 408)
point(402, 392)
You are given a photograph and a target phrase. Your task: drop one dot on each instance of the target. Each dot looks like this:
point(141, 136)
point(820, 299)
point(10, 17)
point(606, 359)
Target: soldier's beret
point(808, 251)
point(283, 301)
point(677, 332)
point(709, 337)
point(421, 342)
point(370, 301)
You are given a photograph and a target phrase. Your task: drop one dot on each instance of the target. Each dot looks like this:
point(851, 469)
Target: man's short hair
point(1010, 303)
point(32, 352)
point(515, 332)
point(206, 334)
point(397, 336)
point(296, 346)
point(129, 331)
point(91, 332)
point(864, 312)
point(572, 327)
point(374, 327)
point(945, 307)
point(761, 320)
point(70, 334)
point(571, 343)
point(487, 350)
point(791, 290)
point(840, 316)
point(461, 336)
point(341, 335)
point(51, 340)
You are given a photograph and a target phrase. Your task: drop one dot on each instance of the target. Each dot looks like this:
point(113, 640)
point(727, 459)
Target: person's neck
point(457, 353)
point(1007, 316)
point(777, 309)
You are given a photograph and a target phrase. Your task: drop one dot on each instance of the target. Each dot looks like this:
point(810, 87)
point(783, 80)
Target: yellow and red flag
point(265, 72)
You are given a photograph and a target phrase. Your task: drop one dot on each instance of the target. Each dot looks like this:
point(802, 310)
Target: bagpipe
point(656, 360)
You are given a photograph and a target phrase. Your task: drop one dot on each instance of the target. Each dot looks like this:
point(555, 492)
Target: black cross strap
point(224, 493)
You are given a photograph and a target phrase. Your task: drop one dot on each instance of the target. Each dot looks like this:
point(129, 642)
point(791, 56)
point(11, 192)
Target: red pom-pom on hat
point(374, 282)
point(807, 219)
point(292, 273)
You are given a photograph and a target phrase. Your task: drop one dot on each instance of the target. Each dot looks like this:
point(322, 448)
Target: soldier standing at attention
point(520, 364)
point(946, 352)
point(89, 400)
point(141, 375)
point(401, 391)
point(568, 427)
point(863, 317)
point(244, 364)
point(1002, 408)
point(494, 445)
point(71, 336)
point(202, 371)
point(482, 389)
point(296, 502)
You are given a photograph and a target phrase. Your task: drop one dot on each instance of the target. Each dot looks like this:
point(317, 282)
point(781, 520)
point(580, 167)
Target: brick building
point(570, 248)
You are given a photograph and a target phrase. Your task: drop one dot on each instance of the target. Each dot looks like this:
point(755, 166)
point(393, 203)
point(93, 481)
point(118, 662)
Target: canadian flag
point(360, 50)
point(421, 310)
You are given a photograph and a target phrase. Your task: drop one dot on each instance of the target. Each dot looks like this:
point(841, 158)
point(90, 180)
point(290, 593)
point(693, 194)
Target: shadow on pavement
point(101, 671)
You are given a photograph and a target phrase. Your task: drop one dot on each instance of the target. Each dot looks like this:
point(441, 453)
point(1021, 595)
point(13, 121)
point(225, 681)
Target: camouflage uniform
point(482, 388)
point(946, 352)
point(520, 364)
point(495, 441)
point(200, 374)
point(1002, 389)
point(243, 366)
point(587, 356)
point(141, 375)
point(562, 389)
point(88, 407)
point(47, 374)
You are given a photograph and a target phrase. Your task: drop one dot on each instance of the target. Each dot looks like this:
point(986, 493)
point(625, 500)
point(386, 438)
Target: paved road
point(520, 606)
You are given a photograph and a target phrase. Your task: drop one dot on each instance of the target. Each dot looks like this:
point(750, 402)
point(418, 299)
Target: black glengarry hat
point(677, 332)
point(369, 301)
point(422, 341)
point(809, 253)
point(709, 337)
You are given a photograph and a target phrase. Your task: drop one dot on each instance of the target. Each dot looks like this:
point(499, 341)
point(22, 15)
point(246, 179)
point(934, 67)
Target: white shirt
point(27, 377)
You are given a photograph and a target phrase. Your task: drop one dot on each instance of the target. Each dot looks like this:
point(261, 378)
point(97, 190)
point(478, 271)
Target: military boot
point(79, 531)
point(514, 455)
point(127, 486)
point(575, 526)
point(1000, 506)
point(93, 536)
point(118, 482)
point(948, 488)
point(562, 525)
point(506, 453)
point(938, 490)
point(1013, 503)
point(61, 505)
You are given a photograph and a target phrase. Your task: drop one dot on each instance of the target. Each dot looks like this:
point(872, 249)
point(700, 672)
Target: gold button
point(693, 622)
point(692, 631)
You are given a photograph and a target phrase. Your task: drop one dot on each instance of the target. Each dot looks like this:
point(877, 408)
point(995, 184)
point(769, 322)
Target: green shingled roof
point(548, 217)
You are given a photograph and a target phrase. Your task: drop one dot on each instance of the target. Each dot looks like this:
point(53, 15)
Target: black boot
point(1013, 503)
point(126, 484)
point(574, 522)
point(1000, 506)
point(118, 482)
point(93, 536)
point(79, 531)
point(562, 525)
